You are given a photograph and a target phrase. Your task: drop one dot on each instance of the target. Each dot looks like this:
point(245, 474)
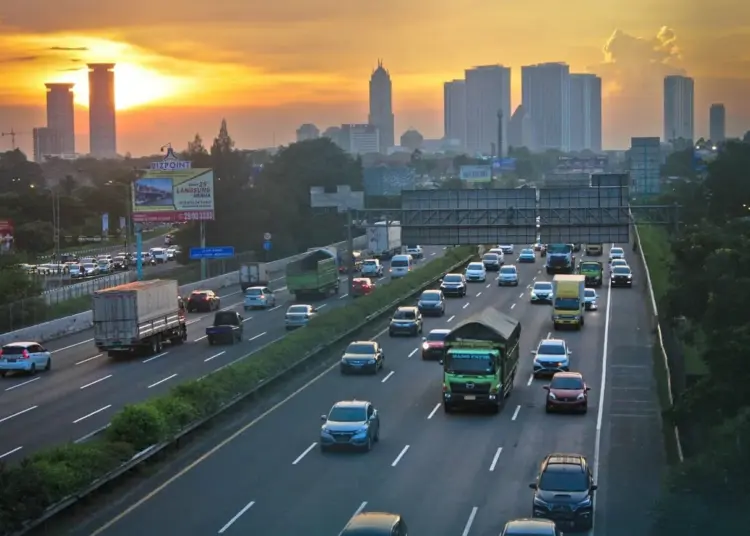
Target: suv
point(406, 320)
point(350, 423)
point(564, 491)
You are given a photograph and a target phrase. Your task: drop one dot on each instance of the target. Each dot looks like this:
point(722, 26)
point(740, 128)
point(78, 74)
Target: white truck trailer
point(384, 239)
point(138, 317)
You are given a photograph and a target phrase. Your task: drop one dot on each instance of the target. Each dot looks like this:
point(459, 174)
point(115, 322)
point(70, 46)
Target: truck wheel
point(154, 346)
point(210, 341)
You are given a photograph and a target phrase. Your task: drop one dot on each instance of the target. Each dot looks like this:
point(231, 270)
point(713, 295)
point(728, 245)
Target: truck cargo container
point(138, 317)
point(314, 275)
point(384, 240)
point(568, 300)
point(253, 274)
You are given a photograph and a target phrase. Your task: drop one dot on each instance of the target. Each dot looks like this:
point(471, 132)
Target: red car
point(567, 392)
point(362, 286)
point(433, 346)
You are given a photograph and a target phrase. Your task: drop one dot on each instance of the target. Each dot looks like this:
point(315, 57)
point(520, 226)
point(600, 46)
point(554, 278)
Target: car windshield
point(543, 286)
point(296, 309)
point(253, 292)
point(370, 263)
point(590, 293)
point(475, 266)
point(469, 363)
point(452, 278)
point(507, 270)
point(551, 349)
point(399, 263)
point(405, 314)
point(563, 481)
point(119, 259)
point(430, 296)
point(566, 382)
point(343, 414)
point(589, 267)
point(617, 251)
point(567, 304)
point(89, 265)
point(437, 335)
point(490, 257)
point(527, 252)
point(360, 348)
point(622, 270)
point(103, 263)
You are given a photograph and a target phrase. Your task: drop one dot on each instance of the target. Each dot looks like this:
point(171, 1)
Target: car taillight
point(25, 354)
point(445, 388)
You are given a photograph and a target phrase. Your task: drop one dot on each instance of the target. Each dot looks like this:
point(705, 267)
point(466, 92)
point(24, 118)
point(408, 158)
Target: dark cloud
point(19, 59)
point(69, 49)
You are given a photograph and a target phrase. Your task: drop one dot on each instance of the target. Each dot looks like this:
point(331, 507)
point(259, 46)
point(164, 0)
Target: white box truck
point(253, 274)
point(384, 240)
point(138, 317)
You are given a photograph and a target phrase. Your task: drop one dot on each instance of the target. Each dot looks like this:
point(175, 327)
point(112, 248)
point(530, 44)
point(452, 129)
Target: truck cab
point(568, 301)
point(593, 271)
point(227, 327)
point(560, 259)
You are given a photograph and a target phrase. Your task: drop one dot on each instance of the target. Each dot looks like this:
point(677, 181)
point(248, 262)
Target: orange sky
point(270, 66)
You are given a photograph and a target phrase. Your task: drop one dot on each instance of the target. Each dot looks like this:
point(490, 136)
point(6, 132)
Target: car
point(564, 491)
point(406, 320)
point(375, 524)
point(203, 301)
point(350, 423)
point(105, 266)
point(90, 269)
point(616, 253)
point(172, 252)
point(621, 276)
point(541, 292)
point(453, 285)
point(120, 263)
point(508, 276)
point(362, 356)
point(415, 251)
point(499, 253)
point(372, 268)
point(492, 262)
point(567, 392)
point(551, 356)
point(594, 250)
point(28, 357)
point(76, 271)
point(362, 286)
point(259, 298)
point(475, 272)
point(299, 315)
point(507, 248)
point(527, 255)
point(433, 346)
point(589, 299)
point(576, 248)
point(530, 527)
point(431, 302)
point(618, 262)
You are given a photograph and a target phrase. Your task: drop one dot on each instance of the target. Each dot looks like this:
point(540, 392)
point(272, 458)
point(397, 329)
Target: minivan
point(401, 265)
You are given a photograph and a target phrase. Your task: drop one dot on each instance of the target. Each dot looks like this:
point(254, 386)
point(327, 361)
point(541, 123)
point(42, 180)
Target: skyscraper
point(718, 123)
point(102, 123)
point(585, 112)
point(487, 93)
point(678, 109)
point(454, 110)
point(546, 98)
point(381, 106)
point(60, 116)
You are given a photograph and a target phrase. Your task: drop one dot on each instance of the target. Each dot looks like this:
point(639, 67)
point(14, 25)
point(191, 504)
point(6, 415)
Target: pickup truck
point(227, 327)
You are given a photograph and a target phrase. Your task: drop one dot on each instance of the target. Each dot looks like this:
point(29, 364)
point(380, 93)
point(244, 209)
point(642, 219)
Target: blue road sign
point(219, 252)
point(267, 245)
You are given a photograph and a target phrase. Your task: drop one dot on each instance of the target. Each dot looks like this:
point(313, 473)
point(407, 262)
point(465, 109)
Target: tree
point(680, 164)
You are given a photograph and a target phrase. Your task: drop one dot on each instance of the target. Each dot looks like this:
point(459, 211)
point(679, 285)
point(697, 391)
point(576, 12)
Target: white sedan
point(475, 272)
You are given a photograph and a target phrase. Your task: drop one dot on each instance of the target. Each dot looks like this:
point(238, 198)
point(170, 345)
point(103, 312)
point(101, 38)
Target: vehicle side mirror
point(440, 280)
point(588, 388)
point(441, 361)
point(533, 352)
point(374, 414)
point(594, 487)
point(424, 338)
point(545, 387)
point(532, 485)
point(323, 418)
point(569, 352)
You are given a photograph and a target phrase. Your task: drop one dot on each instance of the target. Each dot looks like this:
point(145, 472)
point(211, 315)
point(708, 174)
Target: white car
point(551, 356)
point(589, 299)
point(159, 255)
point(372, 268)
point(508, 276)
point(616, 253)
point(90, 269)
point(614, 263)
point(475, 272)
point(28, 357)
point(415, 251)
point(507, 248)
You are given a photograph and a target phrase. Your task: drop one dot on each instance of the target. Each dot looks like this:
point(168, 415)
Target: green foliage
point(52, 475)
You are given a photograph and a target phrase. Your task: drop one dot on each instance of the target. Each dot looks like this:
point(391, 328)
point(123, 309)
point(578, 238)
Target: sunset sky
point(270, 66)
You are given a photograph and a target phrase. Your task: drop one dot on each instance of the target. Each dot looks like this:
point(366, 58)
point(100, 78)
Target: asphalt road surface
point(457, 474)
point(85, 388)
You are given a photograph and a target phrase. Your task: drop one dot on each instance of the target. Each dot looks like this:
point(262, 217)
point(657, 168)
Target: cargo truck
point(568, 300)
point(481, 360)
point(560, 259)
point(253, 274)
point(138, 317)
point(384, 241)
point(312, 276)
point(593, 272)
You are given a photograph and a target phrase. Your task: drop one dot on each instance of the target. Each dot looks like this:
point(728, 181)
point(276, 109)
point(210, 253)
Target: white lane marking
point(16, 386)
point(381, 278)
point(321, 306)
point(388, 376)
point(412, 352)
point(343, 296)
point(248, 318)
point(464, 307)
point(470, 522)
point(214, 356)
point(274, 308)
point(92, 414)
point(603, 383)
point(108, 376)
point(358, 510)
point(88, 436)
point(495, 458)
point(479, 294)
point(71, 346)
point(155, 357)
point(200, 338)
point(451, 318)
point(533, 279)
point(258, 336)
point(549, 335)
point(515, 413)
point(9, 417)
point(239, 514)
point(434, 411)
point(305, 453)
point(89, 359)
point(400, 455)
point(433, 254)
point(194, 320)
point(10, 452)
point(512, 305)
point(520, 295)
point(531, 380)
point(488, 285)
point(162, 381)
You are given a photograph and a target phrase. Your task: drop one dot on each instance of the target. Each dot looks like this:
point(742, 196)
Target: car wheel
point(49, 364)
point(3, 373)
point(323, 448)
point(447, 408)
point(547, 409)
point(32, 370)
point(368, 446)
point(390, 334)
point(376, 438)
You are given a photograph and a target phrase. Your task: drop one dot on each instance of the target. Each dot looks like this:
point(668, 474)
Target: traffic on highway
point(459, 472)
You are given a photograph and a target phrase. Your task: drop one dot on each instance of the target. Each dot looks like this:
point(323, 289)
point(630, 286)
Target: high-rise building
point(718, 123)
point(360, 139)
point(61, 116)
point(307, 131)
point(644, 159)
point(521, 130)
point(585, 112)
point(487, 104)
point(381, 106)
point(102, 122)
point(679, 109)
point(47, 142)
point(454, 110)
point(546, 98)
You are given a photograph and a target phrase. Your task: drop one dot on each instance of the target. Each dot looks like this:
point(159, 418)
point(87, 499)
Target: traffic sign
point(218, 252)
point(266, 236)
point(267, 245)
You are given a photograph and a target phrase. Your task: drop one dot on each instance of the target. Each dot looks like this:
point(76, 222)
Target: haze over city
point(268, 68)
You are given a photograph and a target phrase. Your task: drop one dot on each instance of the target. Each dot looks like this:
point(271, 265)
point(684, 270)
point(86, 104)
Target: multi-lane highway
point(448, 474)
point(85, 388)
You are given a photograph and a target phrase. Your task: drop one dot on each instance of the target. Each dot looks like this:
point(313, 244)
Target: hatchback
point(24, 357)
point(475, 272)
point(567, 392)
point(259, 298)
point(508, 276)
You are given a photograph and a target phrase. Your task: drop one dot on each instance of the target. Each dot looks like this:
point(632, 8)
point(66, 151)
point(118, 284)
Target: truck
point(253, 274)
point(384, 239)
point(138, 317)
point(480, 361)
point(227, 327)
point(568, 300)
point(560, 259)
point(593, 271)
point(313, 276)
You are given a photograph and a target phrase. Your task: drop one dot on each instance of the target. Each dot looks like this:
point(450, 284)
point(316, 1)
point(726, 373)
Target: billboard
point(578, 164)
point(388, 180)
point(174, 196)
point(6, 235)
point(476, 173)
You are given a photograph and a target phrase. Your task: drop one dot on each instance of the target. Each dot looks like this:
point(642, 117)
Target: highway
point(85, 388)
point(450, 474)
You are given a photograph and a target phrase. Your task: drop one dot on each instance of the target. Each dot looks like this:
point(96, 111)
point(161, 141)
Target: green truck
point(593, 272)
point(480, 363)
point(313, 276)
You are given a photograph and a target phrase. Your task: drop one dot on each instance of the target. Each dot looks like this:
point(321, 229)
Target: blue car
point(527, 255)
point(350, 423)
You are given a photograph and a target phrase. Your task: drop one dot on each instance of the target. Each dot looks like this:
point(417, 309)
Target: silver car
point(350, 423)
point(589, 299)
point(508, 276)
point(551, 356)
point(298, 316)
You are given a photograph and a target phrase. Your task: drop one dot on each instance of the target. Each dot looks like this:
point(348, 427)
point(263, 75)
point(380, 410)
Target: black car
point(362, 357)
point(453, 285)
point(431, 302)
point(433, 346)
point(621, 276)
point(564, 491)
point(119, 263)
point(406, 321)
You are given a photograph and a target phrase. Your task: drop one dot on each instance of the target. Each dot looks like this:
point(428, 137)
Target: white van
point(401, 265)
point(159, 254)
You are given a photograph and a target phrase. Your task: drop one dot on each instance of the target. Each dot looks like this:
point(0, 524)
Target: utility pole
point(56, 228)
point(350, 247)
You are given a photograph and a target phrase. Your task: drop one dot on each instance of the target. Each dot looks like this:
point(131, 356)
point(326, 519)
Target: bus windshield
point(464, 362)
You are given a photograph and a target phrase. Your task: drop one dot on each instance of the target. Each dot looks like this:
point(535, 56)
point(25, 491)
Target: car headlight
point(584, 503)
point(540, 502)
point(371, 361)
point(533, 295)
point(580, 396)
point(425, 346)
point(630, 276)
point(552, 396)
point(324, 430)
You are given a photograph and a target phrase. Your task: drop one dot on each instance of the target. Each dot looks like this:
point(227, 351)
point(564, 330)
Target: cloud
point(69, 49)
point(19, 59)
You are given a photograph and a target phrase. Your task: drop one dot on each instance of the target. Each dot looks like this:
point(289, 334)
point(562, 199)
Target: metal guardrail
point(148, 452)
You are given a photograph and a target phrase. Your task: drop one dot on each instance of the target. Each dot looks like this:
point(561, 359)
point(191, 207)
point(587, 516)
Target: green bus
point(480, 361)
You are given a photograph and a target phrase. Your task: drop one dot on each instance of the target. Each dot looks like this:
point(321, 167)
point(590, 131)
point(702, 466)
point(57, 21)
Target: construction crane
point(12, 135)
